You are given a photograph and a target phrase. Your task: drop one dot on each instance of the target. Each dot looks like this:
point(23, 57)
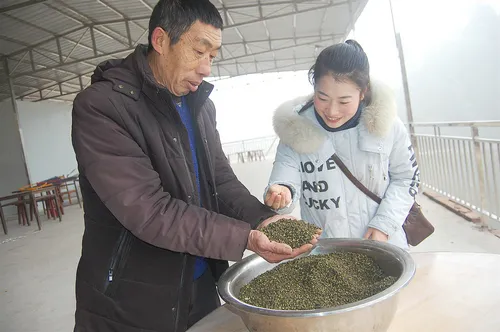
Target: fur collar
point(302, 135)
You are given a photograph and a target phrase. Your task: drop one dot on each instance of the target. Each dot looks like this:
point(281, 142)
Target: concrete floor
point(37, 269)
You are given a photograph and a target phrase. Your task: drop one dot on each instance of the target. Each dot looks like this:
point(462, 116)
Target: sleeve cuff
point(289, 208)
point(385, 225)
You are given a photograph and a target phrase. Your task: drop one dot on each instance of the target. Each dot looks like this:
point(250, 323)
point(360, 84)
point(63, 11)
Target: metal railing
point(459, 162)
point(455, 159)
point(247, 150)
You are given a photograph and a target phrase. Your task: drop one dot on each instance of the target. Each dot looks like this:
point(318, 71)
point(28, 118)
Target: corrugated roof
point(52, 45)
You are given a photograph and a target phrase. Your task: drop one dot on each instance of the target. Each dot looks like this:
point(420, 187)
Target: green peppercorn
point(295, 233)
point(317, 281)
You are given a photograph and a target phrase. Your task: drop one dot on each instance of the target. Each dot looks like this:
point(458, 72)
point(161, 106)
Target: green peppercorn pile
point(317, 281)
point(295, 233)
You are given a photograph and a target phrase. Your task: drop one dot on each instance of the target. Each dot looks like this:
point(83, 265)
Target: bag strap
point(355, 181)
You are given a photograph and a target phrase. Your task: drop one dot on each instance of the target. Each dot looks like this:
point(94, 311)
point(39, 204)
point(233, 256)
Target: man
point(163, 209)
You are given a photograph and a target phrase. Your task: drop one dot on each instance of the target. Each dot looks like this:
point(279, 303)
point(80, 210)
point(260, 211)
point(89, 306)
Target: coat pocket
point(117, 262)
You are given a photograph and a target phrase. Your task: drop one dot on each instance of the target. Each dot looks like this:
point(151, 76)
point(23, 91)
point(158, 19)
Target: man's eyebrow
point(345, 97)
point(208, 44)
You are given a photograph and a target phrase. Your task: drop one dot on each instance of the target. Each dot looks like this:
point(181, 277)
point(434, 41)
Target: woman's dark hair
point(344, 61)
point(177, 16)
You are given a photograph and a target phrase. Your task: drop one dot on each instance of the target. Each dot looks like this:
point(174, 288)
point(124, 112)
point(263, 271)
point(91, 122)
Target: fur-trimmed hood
point(301, 134)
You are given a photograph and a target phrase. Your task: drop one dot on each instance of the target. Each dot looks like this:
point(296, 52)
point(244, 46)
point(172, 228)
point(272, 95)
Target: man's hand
point(278, 197)
point(375, 234)
point(275, 252)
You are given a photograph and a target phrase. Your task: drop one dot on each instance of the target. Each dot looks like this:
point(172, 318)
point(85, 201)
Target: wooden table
point(33, 200)
point(451, 292)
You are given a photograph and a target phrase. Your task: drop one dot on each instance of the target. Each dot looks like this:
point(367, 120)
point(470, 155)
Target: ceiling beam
point(267, 3)
point(252, 61)
point(58, 96)
point(79, 76)
point(56, 84)
point(94, 57)
point(131, 19)
point(268, 33)
point(38, 52)
point(36, 87)
point(40, 28)
point(276, 67)
point(20, 5)
point(320, 39)
point(330, 4)
point(112, 8)
point(238, 32)
point(71, 31)
point(333, 37)
point(146, 4)
point(100, 29)
point(15, 41)
point(75, 16)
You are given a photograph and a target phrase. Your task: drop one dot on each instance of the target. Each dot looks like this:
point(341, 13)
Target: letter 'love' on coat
point(378, 152)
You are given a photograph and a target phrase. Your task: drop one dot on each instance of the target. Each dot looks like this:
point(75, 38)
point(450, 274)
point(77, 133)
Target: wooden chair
point(66, 191)
point(3, 221)
point(22, 215)
point(51, 205)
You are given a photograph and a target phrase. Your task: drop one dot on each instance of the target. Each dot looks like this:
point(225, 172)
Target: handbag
point(416, 225)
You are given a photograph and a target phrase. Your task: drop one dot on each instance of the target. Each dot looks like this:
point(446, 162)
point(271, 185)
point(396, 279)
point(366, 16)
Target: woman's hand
point(375, 234)
point(278, 197)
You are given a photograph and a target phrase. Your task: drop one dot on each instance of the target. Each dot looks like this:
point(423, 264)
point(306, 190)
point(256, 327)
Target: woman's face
point(335, 101)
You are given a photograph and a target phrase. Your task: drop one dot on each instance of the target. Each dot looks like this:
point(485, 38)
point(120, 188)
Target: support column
point(16, 116)
point(351, 20)
point(406, 89)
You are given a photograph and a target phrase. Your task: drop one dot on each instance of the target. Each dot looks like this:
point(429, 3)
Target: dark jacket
point(143, 223)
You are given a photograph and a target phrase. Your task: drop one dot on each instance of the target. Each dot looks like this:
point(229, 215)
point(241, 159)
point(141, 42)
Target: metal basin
point(373, 314)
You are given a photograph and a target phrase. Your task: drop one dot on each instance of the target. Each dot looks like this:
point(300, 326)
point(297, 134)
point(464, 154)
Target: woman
point(355, 118)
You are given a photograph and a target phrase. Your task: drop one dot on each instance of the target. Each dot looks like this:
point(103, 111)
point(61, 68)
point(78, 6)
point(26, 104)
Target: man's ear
point(160, 40)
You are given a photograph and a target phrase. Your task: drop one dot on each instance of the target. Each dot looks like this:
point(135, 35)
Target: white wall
point(12, 170)
point(46, 130)
point(454, 73)
point(452, 52)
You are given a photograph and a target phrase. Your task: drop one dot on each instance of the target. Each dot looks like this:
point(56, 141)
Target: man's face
point(182, 67)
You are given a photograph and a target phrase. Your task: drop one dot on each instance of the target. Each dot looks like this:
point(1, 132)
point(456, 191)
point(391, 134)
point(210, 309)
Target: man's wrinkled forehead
point(205, 35)
point(208, 43)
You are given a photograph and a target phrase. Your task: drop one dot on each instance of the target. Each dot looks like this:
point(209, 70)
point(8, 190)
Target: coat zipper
point(115, 260)
point(212, 172)
point(184, 258)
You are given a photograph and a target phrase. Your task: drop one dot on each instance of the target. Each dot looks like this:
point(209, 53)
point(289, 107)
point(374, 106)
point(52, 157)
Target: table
point(33, 199)
point(455, 292)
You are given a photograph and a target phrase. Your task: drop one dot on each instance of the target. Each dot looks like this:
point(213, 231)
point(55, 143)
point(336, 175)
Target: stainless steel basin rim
point(392, 252)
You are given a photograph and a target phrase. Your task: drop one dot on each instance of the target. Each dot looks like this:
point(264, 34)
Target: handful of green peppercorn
point(295, 233)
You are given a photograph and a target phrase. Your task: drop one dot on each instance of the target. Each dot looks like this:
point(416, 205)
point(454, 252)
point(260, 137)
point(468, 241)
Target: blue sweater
point(187, 120)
